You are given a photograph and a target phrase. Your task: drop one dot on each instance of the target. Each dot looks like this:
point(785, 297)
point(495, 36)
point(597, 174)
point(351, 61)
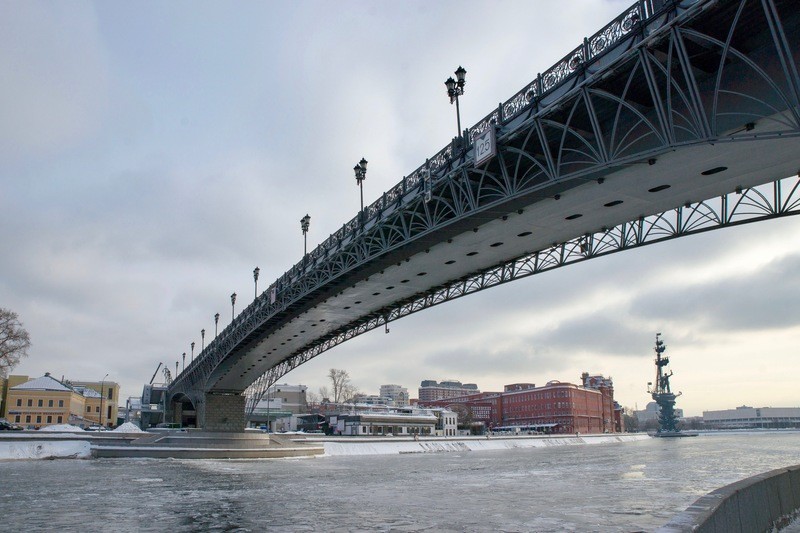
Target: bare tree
point(312, 398)
point(342, 389)
point(324, 394)
point(14, 341)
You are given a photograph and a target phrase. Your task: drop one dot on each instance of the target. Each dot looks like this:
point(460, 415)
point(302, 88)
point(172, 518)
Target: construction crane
point(156, 372)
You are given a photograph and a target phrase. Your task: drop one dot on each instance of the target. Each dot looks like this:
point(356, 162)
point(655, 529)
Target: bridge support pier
point(176, 414)
point(223, 412)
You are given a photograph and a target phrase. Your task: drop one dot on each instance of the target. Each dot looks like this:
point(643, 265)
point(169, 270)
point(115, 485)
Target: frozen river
point(634, 486)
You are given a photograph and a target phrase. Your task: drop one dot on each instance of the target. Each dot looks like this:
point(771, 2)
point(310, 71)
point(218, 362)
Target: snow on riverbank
point(129, 427)
point(53, 445)
point(44, 449)
point(388, 446)
point(62, 428)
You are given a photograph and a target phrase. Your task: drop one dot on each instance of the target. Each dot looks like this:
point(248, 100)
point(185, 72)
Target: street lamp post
point(192, 345)
point(184, 362)
point(102, 393)
point(255, 279)
point(304, 223)
point(233, 305)
point(455, 88)
point(202, 340)
point(216, 321)
point(361, 174)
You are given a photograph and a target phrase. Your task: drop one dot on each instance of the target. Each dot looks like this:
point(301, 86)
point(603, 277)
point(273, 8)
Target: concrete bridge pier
point(222, 412)
point(217, 422)
point(217, 412)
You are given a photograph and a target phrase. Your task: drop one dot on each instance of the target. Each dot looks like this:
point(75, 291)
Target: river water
point(635, 486)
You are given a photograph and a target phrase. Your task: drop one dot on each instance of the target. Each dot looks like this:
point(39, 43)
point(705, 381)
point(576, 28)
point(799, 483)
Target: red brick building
point(554, 408)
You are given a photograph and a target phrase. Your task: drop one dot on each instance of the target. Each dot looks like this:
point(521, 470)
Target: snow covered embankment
point(389, 446)
point(43, 449)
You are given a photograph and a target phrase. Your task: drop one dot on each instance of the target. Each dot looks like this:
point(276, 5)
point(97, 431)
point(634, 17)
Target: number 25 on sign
point(485, 146)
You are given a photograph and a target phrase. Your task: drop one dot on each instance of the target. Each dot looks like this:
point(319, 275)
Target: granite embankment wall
point(764, 502)
point(402, 445)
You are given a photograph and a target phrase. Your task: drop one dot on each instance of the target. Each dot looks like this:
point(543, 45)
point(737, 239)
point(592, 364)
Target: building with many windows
point(374, 420)
point(279, 402)
point(101, 396)
point(43, 402)
point(556, 407)
point(753, 417)
point(397, 394)
point(430, 390)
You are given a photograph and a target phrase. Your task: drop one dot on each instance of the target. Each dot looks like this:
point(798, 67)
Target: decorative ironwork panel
point(614, 31)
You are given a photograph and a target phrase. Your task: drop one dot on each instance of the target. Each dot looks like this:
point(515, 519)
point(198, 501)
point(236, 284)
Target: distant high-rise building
point(430, 390)
point(396, 393)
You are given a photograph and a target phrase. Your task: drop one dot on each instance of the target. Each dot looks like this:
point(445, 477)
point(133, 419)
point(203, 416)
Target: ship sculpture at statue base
point(664, 397)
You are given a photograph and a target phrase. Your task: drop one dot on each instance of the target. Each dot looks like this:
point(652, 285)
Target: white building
point(371, 399)
point(278, 405)
point(291, 397)
point(384, 422)
point(753, 417)
point(650, 412)
point(396, 393)
point(374, 420)
point(447, 422)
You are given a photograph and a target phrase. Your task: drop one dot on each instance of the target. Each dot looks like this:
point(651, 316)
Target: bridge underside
point(379, 293)
point(697, 105)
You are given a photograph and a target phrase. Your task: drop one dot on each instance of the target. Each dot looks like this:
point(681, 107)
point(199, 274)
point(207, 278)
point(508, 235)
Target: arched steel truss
point(661, 76)
point(773, 200)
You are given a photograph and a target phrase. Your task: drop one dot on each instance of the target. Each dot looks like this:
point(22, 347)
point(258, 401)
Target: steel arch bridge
point(675, 118)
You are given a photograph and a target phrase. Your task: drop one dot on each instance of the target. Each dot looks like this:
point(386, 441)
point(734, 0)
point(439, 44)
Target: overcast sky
point(153, 154)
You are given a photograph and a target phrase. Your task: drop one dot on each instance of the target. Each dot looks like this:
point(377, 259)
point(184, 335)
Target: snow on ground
point(129, 427)
point(62, 427)
point(44, 449)
point(48, 447)
point(390, 446)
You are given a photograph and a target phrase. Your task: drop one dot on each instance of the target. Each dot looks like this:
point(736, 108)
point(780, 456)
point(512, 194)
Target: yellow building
point(100, 395)
point(5, 385)
point(35, 403)
point(42, 402)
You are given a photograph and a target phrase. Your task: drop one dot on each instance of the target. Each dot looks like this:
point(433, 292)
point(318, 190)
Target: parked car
point(95, 428)
point(5, 425)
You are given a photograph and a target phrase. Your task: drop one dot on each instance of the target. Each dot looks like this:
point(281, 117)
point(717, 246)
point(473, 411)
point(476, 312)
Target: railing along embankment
point(764, 502)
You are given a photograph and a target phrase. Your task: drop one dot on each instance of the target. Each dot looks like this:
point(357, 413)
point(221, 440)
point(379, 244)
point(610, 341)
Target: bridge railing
point(591, 50)
point(547, 85)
